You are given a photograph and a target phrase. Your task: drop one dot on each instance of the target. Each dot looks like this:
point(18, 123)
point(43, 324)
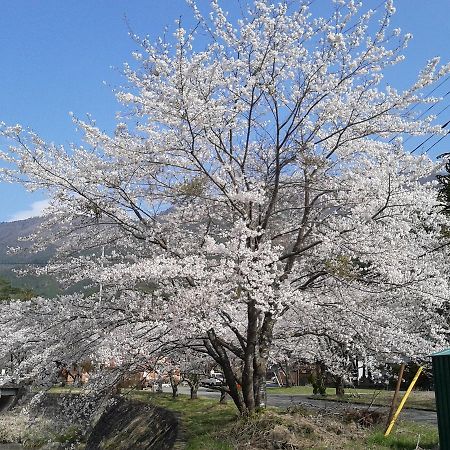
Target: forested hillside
point(10, 263)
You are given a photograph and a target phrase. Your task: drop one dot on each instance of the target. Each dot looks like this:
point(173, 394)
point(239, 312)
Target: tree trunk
point(287, 373)
point(194, 392)
point(250, 382)
point(174, 385)
point(288, 381)
point(260, 390)
point(193, 380)
point(254, 356)
point(340, 386)
point(194, 387)
point(318, 379)
point(219, 354)
point(223, 397)
point(261, 360)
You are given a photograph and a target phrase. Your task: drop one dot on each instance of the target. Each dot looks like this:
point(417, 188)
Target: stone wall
point(133, 425)
point(60, 421)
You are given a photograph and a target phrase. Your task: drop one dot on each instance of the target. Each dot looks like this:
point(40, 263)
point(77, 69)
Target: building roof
point(445, 352)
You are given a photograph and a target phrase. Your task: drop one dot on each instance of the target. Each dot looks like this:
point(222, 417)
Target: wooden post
point(402, 403)
point(394, 398)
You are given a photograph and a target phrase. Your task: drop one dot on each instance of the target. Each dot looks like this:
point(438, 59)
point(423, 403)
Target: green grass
point(417, 399)
point(66, 390)
point(203, 420)
point(200, 418)
point(296, 390)
point(206, 423)
point(405, 436)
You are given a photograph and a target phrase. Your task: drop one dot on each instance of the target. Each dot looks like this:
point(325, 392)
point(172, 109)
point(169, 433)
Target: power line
point(424, 112)
point(437, 142)
point(433, 105)
point(429, 93)
point(431, 137)
point(434, 134)
point(424, 142)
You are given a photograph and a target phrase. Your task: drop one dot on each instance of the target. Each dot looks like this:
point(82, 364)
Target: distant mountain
point(10, 232)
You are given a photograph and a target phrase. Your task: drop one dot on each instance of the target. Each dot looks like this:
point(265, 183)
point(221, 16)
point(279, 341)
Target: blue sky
point(60, 56)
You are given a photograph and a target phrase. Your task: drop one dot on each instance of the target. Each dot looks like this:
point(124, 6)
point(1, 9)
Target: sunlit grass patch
point(418, 399)
point(209, 425)
point(377, 397)
point(406, 435)
point(201, 419)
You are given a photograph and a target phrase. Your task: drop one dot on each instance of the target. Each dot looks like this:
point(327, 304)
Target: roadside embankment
point(133, 425)
point(84, 422)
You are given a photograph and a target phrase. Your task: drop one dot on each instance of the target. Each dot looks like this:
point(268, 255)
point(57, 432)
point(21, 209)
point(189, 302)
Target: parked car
point(216, 379)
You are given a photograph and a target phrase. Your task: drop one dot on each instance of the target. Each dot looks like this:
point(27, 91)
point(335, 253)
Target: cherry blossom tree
point(258, 168)
point(340, 328)
point(43, 336)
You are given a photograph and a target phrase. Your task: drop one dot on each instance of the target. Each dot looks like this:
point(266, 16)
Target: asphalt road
point(328, 407)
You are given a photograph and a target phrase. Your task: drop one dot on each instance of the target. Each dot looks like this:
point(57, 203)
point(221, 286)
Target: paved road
point(283, 401)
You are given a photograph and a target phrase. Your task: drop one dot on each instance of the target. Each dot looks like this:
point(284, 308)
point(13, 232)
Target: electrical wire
point(428, 95)
point(433, 105)
point(424, 112)
point(437, 142)
point(430, 137)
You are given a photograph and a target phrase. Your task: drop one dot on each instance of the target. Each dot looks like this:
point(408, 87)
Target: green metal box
point(441, 376)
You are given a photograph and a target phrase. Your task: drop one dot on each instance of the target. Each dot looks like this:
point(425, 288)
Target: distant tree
point(8, 292)
point(444, 184)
